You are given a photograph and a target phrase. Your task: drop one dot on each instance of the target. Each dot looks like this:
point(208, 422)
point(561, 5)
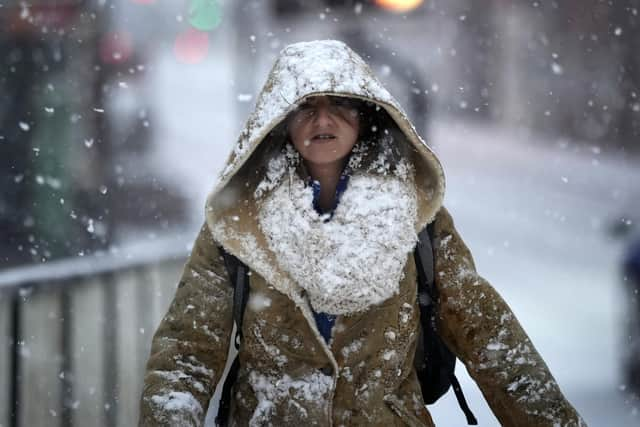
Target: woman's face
point(324, 129)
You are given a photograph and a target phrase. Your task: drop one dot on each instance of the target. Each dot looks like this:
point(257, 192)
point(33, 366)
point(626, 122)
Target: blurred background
point(117, 115)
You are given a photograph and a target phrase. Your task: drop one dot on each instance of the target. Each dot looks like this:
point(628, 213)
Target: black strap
point(240, 295)
point(222, 417)
point(426, 271)
point(471, 419)
point(427, 297)
point(239, 277)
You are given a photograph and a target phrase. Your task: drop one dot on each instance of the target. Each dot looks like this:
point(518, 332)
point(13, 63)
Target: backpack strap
point(455, 384)
point(424, 255)
point(427, 299)
point(239, 278)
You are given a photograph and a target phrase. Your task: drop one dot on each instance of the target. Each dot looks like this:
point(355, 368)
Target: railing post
point(110, 370)
point(50, 373)
point(66, 383)
point(14, 394)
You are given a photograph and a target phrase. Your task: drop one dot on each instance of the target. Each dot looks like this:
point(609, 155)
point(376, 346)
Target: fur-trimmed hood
point(305, 69)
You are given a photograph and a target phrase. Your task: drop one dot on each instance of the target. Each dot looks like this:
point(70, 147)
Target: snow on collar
point(357, 259)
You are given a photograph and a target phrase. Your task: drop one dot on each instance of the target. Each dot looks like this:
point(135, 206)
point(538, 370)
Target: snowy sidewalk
point(534, 213)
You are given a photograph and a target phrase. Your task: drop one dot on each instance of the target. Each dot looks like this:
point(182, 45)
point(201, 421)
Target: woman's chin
point(324, 152)
point(324, 158)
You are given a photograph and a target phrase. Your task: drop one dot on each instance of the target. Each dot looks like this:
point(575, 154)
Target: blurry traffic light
point(399, 6)
point(292, 7)
point(387, 5)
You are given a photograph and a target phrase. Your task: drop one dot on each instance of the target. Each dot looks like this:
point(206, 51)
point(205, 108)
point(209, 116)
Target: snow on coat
point(288, 374)
point(349, 263)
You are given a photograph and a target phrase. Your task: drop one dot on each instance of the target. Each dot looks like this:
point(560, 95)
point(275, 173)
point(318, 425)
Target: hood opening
point(379, 138)
point(382, 148)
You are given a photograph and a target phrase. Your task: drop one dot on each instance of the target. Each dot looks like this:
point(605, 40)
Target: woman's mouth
point(323, 137)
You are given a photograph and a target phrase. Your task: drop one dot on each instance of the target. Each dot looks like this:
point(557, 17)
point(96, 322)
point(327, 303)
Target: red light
point(192, 46)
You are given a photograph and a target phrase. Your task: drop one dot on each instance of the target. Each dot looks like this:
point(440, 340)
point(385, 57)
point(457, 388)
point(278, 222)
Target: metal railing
point(75, 335)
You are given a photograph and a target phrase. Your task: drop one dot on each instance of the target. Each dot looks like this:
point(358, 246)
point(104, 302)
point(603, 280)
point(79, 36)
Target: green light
point(205, 15)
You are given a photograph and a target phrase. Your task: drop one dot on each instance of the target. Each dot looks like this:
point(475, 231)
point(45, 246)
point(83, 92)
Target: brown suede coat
point(365, 376)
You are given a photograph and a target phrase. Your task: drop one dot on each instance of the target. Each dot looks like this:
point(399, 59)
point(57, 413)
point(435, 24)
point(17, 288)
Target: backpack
point(434, 362)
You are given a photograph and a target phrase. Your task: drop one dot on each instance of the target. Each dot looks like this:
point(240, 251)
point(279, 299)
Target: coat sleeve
point(480, 328)
point(189, 349)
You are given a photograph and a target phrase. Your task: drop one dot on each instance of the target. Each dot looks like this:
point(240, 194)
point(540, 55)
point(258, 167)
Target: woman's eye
point(303, 111)
point(343, 104)
point(306, 108)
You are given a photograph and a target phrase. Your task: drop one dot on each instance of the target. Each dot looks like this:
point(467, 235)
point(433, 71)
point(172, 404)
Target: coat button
point(327, 370)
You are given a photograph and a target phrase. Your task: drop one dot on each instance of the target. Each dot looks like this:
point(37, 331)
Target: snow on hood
point(306, 69)
point(326, 67)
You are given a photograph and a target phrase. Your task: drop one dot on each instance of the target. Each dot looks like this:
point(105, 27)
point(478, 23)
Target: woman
point(322, 198)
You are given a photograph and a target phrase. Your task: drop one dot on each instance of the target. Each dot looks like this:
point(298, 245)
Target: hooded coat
point(364, 375)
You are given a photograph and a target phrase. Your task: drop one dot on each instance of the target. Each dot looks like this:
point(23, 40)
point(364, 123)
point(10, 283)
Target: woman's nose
point(323, 115)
